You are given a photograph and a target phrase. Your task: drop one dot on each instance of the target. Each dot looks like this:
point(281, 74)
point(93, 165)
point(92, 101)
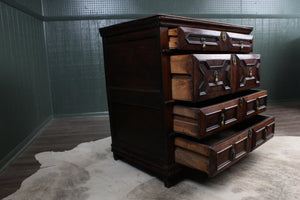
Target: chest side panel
point(135, 95)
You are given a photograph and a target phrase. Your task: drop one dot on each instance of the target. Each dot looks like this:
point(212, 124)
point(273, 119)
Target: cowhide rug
point(89, 172)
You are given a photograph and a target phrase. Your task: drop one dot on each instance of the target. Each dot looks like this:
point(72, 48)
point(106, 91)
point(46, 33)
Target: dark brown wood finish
point(207, 118)
point(171, 21)
point(138, 100)
point(142, 80)
point(247, 71)
point(198, 77)
point(226, 147)
point(187, 38)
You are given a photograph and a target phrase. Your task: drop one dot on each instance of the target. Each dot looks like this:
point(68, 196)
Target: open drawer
point(198, 77)
point(216, 153)
point(206, 118)
point(186, 38)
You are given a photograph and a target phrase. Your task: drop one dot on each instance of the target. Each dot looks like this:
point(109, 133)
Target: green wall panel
point(76, 66)
point(187, 7)
point(32, 7)
point(25, 90)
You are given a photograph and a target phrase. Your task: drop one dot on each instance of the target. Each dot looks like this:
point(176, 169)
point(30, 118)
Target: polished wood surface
point(139, 84)
point(199, 77)
point(207, 118)
point(218, 152)
point(164, 20)
point(186, 38)
point(78, 130)
point(138, 92)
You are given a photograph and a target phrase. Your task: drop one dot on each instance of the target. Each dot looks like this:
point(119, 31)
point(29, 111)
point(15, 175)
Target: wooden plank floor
point(66, 133)
point(287, 118)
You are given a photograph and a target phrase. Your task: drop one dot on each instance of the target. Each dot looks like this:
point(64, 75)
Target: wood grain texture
point(206, 40)
point(210, 119)
point(199, 77)
point(171, 21)
point(287, 118)
point(192, 160)
point(187, 144)
point(182, 88)
point(181, 64)
point(226, 147)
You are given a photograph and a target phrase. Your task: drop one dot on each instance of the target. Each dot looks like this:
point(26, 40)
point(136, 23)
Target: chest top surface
point(163, 20)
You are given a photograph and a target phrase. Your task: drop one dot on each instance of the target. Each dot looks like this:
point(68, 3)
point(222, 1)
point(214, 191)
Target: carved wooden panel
point(234, 149)
point(255, 103)
point(187, 38)
point(248, 71)
point(213, 74)
point(218, 152)
point(219, 116)
point(239, 42)
point(208, 119)
point(198, 77)
point(262, 134)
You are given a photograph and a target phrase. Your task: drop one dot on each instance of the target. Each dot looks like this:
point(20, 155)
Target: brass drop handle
point(250, 72)
point(250, 134)
point(242, 44)
point(241, 102)
point(265, 133)
point(203, 43)
point(224, 36)
point(222, 119)
point(234, 60)
point(257, 104)
point(216, 75)
point(233, 153)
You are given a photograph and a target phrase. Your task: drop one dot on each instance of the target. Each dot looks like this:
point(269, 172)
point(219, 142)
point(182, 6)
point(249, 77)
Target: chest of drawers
point(180, 95)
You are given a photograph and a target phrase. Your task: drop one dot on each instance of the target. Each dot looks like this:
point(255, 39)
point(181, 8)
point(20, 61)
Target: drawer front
point(218, 117)
point(213, 75)
point(255, 103)
point(248, 71)
point(231, 151)
point(239, 42)
point(199, 77)
point(200, 122)
point(186, 38)
point(217, 153)
point(262, 133)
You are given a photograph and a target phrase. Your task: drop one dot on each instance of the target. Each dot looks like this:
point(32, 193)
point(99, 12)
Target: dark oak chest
point(180, 94)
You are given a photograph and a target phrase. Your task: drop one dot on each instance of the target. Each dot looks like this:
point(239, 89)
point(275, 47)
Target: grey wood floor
point(66, 133)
